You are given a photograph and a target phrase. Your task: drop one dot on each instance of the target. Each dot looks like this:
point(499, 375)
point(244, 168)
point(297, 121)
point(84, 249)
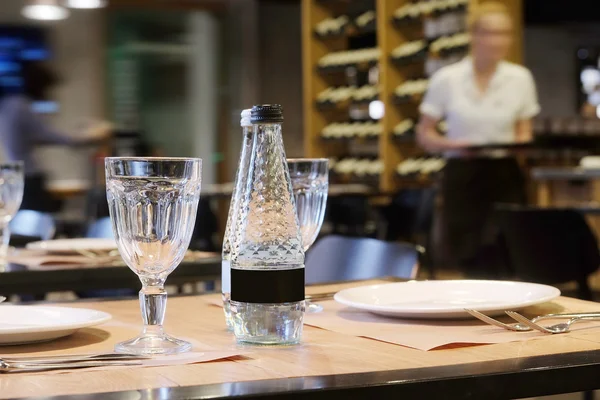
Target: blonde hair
point(487, 8)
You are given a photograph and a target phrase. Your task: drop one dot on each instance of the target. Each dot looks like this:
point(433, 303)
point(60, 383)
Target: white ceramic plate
point(29, 324)
point(72, 245)
point(445, 299)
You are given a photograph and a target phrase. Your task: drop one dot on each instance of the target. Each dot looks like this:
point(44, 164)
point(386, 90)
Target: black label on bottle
point(267, 286)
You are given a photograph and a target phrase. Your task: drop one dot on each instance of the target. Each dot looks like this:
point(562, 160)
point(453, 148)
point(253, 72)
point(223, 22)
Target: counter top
point(565, 173)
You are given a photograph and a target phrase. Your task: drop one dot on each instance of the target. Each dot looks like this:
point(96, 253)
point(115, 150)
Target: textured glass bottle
point(267, 259)
point(234, 210)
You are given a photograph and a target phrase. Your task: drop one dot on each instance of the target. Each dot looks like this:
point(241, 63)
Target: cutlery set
point(525, 324)
point(49, 363)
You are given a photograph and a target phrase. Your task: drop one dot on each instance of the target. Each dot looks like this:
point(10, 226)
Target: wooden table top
point(325, 360)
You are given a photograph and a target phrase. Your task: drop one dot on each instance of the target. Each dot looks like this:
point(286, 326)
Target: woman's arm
point(431, 140)
point(42, 133)
point(523, 131)
point(35, 128)
point(529, 109)
point(433, 108)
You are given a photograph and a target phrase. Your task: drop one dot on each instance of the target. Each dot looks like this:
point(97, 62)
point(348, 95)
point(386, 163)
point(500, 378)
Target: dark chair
point(337, 258)
point(206, 228)
point(101, 228)
point(33, 224)
point(410, 218)
point(96, 203)
point(548, 245)
point(349, 215)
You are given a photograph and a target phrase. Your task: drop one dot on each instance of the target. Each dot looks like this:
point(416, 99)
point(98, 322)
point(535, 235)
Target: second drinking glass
point(310, 184)
point(11, 195)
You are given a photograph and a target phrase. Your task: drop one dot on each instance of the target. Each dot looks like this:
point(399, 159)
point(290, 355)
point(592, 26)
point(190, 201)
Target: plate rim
point(452, 310)
point(42, 244)
point(103, 317)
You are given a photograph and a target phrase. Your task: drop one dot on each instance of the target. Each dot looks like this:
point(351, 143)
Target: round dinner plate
point(73, 245)
point(29, 324)
point(445, 299)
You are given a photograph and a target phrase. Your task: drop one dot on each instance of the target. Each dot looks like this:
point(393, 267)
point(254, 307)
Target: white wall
point(202, 90)
point(550, 53)
point(77, 46)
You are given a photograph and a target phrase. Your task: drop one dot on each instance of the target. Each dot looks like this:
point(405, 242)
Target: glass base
point(313, 308)
point(153, 344)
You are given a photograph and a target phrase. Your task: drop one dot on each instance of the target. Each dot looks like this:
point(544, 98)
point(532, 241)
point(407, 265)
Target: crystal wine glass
point(310, 183)
point(153, 203)
point(11, 195)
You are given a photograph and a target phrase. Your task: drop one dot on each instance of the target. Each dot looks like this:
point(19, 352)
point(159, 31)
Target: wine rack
point(412, 40)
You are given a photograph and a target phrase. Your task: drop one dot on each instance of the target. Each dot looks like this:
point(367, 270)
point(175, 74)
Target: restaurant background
point(265, 37)
point(214, 58)
point(171, 77)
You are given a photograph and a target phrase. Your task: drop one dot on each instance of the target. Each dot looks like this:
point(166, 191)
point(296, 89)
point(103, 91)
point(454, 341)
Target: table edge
point(511, 378)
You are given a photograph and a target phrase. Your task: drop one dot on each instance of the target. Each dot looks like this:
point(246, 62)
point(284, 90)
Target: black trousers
point(470, 188)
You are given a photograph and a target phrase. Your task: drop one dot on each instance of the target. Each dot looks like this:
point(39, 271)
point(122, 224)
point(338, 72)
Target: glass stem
point(4, 240)
point(153, 302)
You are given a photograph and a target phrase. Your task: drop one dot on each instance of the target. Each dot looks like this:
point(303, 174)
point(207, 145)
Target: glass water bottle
point(267, 260)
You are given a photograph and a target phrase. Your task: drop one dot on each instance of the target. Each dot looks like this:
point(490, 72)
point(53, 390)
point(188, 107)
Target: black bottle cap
point(267, 113)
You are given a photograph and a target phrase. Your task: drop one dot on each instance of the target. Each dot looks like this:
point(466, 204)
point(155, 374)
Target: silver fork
point(553, 329)
point(524, 327)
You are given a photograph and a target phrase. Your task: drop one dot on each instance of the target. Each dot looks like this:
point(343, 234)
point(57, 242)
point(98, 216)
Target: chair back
point(337, 258)
point(410, 213)
point(349, 215)
point(206, 227)
point(33, 224)
point(547, 245)
point(101, 228)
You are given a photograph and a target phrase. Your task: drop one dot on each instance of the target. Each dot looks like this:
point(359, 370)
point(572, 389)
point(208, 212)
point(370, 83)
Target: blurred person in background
point(484, 100)
point(21, 131)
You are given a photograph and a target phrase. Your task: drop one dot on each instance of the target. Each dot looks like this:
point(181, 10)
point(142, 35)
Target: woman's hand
point(98, 131)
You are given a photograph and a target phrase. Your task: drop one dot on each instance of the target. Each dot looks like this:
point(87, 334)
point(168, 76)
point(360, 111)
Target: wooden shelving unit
point(391, 74)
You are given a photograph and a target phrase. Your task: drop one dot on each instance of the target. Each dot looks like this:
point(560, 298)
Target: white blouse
point(481, 118)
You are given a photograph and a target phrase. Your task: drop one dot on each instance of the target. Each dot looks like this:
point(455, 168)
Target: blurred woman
point(21, 131)
point(484, 100)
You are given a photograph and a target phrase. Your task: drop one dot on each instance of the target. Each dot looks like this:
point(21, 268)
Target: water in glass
point(310, 184)
point(153, 206)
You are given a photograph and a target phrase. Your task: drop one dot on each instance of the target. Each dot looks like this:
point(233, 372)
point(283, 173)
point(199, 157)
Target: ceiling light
point(86, 3)
point(376, 109)
point(45, 10)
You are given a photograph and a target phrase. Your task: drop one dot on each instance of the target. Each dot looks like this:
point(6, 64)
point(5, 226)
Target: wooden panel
point(515, 8)
point(391, 76)
point(313, 83)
